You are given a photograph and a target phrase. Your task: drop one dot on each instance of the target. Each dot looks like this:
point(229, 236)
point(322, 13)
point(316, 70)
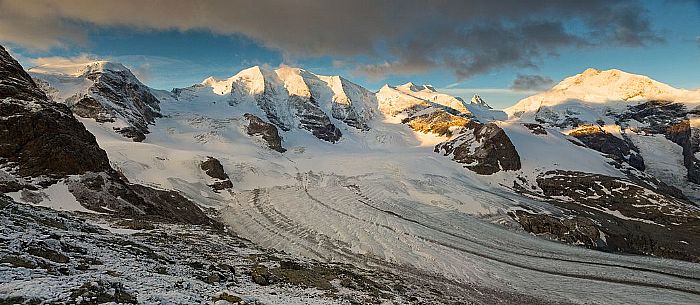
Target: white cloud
point(62, 61)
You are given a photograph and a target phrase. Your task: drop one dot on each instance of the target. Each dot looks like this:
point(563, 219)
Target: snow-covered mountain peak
point(291, 98)
point(101, 90)
point(408, 86)
point(294, 80)
point(251, 80)
point(615, 82)
point(415, 88)
point(102, 66)
point(604, 87)
point(477, 100)
point(410, 95)
point(78, 69)
point(209, 81)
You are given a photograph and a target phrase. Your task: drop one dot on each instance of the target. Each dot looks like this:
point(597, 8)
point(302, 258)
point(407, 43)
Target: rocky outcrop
point(257, 127)
point(535, 128)
point(482, 148)
point(38, 137)
point(689, 139)
point(547, 116)
point(438, 121)
point(15, 83)
point(673, 121)
point(313, 119)
point(620, 150)
point(613, 214)
point(213, 168)
point(657, 115)
point(109, 193)
point(573, 230)
point(89, 107)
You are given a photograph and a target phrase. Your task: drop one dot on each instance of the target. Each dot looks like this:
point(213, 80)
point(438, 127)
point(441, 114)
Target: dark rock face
point(103, 292)
point(131, 132)
point(657, 114)
point(213, 168)
point(673, 121)
point(614, 214)
point(134, 100)
point(546, 116)
point(313, 119)
point(15, 83)
point(38, 136)
point(536, 128)
point(569, 230)
point(109, 193)
point(594, 137)
point(683, 135)
point(258, 127)
point(89, 107)
point(172, 206)
point(348, 115)
point(483, 148)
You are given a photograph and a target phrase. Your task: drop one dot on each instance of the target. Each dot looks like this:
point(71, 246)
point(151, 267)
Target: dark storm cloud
point(391, 37)
point(531, 83)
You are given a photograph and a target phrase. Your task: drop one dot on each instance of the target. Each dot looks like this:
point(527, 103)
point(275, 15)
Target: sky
point(503, 50)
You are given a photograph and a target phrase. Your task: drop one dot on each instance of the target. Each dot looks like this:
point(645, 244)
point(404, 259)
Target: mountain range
point(542, 202)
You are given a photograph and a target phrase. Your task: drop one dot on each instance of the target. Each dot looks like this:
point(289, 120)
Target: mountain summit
point(612, 88)
point(477, 100)
point(104, 91)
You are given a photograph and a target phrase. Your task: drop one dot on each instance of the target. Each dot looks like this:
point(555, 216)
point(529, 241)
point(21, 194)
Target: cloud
point(69, 65)
point(524, 82)
point(380, 37)
point(62, 61)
